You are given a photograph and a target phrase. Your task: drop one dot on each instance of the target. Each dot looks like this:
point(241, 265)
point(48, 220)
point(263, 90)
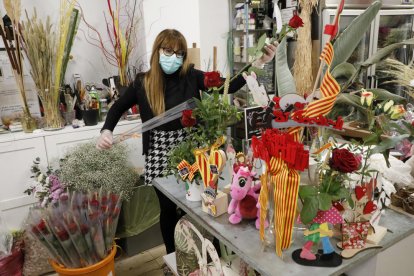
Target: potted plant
point(181, 163)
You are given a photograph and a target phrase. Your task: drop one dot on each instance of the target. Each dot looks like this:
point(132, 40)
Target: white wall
point(214, 28)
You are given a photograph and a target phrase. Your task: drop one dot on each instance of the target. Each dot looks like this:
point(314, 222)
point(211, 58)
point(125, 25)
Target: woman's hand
point(270, 51)
point(105, 140)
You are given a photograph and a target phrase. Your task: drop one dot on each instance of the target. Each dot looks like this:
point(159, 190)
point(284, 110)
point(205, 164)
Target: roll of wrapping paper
point(193, 55)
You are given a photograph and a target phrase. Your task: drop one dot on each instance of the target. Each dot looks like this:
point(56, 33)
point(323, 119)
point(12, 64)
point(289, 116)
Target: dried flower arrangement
point(122, 36)
point(11, 39)
point(48, 54)
point(87, 168)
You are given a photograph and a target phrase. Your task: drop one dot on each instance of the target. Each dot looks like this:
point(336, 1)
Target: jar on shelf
point(103, 105)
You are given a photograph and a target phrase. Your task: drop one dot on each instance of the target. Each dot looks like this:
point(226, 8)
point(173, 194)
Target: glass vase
point(28, 123)
point(53, 117)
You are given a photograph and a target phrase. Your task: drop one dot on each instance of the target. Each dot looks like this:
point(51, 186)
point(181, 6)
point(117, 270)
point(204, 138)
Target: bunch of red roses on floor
point(79, 229)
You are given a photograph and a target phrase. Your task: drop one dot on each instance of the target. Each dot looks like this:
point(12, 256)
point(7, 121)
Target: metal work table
point(244, 239)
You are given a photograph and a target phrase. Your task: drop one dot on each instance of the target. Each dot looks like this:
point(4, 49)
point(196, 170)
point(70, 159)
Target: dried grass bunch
point(87, 168)
point(399, 74)
point(48, 53)
point(11, 39)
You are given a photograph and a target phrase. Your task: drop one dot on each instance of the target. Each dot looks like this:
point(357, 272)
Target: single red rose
point(187, 119)
point(84, 229)
point(114, 198)
point(62, 235)
point(104, 200)
point(94, 203)
point(72, 227)
point(344, 161)
point(212, 79)
point(295, 22)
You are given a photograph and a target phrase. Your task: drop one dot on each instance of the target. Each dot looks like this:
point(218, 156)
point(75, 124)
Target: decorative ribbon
point(192, 169)
point(329, 88)
point(217, 158)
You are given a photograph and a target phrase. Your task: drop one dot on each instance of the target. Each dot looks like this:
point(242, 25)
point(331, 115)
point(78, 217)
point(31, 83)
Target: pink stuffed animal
point(244, 196)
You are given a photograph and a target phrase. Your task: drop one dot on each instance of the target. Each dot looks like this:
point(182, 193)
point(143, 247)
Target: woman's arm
point(125, 102)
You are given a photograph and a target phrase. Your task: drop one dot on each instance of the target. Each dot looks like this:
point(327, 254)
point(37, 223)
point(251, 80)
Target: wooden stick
point(215, 58)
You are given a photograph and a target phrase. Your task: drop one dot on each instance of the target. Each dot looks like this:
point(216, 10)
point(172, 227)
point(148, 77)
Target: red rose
point(344, 161)
point(187, 120)
point(212, 79)
point(295, 22)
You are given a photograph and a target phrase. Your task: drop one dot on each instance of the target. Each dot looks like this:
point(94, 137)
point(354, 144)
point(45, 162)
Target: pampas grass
point(302, 68)
point(399, 73)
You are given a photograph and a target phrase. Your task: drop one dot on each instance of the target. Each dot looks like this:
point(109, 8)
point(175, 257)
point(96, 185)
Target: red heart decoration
point(338, 206)
point(360, 192)
point(369, 207)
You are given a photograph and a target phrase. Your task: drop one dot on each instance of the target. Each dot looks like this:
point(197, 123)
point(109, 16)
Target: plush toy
point(244, 195)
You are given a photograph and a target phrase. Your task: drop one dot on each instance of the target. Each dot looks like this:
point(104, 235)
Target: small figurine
point(244, 195)
point(319, 231)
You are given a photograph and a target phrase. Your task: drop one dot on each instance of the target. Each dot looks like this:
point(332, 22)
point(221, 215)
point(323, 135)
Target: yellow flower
point(397, 111)
point(388, 106)
point(366, 97)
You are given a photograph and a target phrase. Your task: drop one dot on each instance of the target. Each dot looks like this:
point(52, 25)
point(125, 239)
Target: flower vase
point(53, 117)
point(193, 191)
point(28, 123)
point(354, 234)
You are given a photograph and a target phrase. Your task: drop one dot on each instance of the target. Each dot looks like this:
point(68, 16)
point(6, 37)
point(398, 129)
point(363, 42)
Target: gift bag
point(217, 266)
point(354, 234)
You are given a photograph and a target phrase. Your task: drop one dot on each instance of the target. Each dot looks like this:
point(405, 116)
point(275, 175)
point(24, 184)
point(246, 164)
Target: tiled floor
point(148, 263)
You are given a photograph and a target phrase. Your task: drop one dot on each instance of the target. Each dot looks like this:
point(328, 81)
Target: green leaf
point(385, 95)
point(384, 52)
point(307, 191)
point(345, 69)
point(251, 51)
point(309, 210)
point(349, 39)
point(344, 193)
point(261, 42)
point(389, 143)
point(372, 139)
point(285, 82)
point(257, 71)
point(352, 100)
point(325, 201)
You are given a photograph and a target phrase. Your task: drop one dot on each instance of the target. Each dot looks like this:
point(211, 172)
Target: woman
point(171, 80)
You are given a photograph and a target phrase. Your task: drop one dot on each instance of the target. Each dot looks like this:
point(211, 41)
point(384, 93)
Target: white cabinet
point(18, 150)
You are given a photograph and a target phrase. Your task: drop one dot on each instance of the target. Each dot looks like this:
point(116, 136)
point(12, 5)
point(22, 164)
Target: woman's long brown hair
point(154, 80)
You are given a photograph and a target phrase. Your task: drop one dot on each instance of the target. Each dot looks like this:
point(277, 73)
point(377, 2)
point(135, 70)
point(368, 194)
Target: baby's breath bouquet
point(87, 168)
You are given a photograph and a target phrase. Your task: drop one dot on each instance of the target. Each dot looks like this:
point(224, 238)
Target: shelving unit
point(246, 20)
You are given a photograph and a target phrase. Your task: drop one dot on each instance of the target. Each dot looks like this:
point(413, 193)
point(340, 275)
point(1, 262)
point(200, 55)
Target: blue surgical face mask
point(170, 64)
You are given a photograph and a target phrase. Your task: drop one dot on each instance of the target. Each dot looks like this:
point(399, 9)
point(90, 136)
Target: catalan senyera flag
point(329, 88)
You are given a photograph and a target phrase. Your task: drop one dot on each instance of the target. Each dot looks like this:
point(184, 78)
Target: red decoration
point(295, 22)
point(276, 100)
point(354, 234)
point(212, 79)
point(360, 192)
point(338, 206)
point(370, 207)
point(344, 161)
point(187, 119)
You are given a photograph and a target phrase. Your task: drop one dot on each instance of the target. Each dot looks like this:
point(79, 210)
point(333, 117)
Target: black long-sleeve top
point(178, 89)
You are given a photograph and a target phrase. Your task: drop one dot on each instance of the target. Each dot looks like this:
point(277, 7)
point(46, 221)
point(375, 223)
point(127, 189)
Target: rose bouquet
point(78, 229)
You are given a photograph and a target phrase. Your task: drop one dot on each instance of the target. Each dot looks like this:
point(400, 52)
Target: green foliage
point(87, 168)
point(345, 69)
point(349, 39)
point(385, 95)
point(285, 81)
point(214, 115)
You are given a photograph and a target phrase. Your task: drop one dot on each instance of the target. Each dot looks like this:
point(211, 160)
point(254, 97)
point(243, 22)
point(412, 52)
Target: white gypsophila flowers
point(85, 168)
